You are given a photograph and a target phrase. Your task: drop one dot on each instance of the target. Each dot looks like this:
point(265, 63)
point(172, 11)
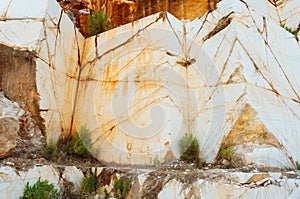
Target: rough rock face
point(230, 75)
point(123, 12)
point(41, 70)
point(9, 125)
point(14, 182)
point(9, 128)
point(158, 184)
point(226, 77)
point(17, 74)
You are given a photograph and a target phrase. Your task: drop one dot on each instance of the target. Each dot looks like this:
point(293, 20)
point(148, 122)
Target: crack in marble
point(22, 19)
point(51, 19)
point(109, 127)
point(49, 62)
point(96, 44)
point(174, 32)
point(145, 107)
point(266, 42)
point(218, 83)
point(227, 59)
point(58, 32)
point(266, 28)
point(198, 32)
point(257, 68)
point(222, 24)
point(85, 72)
point(273, 54)
point(77, 85)
point(6, 11)
point(122, 44)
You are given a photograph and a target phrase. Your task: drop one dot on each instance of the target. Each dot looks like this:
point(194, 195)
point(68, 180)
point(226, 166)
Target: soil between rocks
point(28, 153)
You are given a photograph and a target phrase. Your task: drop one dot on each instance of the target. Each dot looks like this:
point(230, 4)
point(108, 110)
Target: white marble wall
point(59, 57)
point(289, 13)
point(144, 85)
point(144, 98)
point(42, 26)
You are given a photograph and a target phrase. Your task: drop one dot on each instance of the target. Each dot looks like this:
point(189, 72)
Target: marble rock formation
point(9, 125)
point(40, 60)
point(122, 12)
point(230, 76)
point(157, 183)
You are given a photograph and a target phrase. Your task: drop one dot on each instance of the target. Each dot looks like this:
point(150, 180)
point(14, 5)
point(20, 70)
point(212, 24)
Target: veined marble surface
point(230, 75)
point(156, 79)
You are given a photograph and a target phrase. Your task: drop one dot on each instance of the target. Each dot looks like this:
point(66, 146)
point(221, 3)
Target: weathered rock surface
point(12, 183)
point(40, 65)
point(9, 128)
point(123, 12)
point(9, 108)
point(9, 125)
point(227, 77)
point(149, 183)
point(230, 76)
point(18, 78)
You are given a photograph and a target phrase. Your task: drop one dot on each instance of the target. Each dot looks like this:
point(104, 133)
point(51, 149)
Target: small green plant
point(50, 151)
point(297, 165)
point(98, 22)
point(121, 188)
point(88, 184)
point(79, 143)
point(227, 152)
point(106, 194)
point(189, 147)
point(291, 30)
point(40, 190)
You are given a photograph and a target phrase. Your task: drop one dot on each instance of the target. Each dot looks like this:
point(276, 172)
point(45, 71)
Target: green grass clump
point(50, 151)
point(88, 184)
point(121, 188)
point(98, 22)
point(297, 165)
point(79, 143)
point(189, 147)
point(106, 194)
point(40, 190)
point(227, 152)
point(291, 30)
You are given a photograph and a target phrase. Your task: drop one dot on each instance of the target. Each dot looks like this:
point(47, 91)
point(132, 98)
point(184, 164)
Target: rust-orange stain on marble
point(129, 147)
point(122, 12)
point(249, 128)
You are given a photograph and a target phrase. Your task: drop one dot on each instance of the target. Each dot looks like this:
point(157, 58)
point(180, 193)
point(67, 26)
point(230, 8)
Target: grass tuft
point(40, 190)
point(190, 149)
point(50, 151)
point(121, 188)
point(98, 22)
point(227, 152)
